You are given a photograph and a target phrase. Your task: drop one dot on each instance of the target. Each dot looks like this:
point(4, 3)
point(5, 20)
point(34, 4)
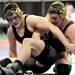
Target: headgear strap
point(13, 7)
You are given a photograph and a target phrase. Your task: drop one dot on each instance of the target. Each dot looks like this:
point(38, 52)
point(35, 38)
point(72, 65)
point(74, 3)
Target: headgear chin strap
point(59, 8)
point(13, 7)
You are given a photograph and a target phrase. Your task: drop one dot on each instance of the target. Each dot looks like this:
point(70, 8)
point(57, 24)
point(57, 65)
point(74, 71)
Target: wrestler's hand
point(70, 48)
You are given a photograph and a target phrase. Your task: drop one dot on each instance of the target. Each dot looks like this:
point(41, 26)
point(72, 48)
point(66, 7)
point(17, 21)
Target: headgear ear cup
point(19, 12)
point(63, 15)
point(58, 7)
point(13, 7)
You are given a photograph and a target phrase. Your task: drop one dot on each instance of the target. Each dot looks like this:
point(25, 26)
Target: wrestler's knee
point(26, 40)
point(34, 43)
point(63, 66)
point(64, 58)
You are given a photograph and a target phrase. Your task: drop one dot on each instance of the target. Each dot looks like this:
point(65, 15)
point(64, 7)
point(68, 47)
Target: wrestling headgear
point(59, 8)
point(14, 7)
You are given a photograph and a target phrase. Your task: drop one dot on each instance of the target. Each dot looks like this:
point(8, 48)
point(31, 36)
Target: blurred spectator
point(69, 10)
point(3, 25)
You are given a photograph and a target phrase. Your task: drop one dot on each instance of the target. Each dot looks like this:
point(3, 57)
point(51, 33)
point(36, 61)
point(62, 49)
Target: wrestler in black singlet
point(27, 33)
point(53, 47)
point(49, 55)
point(44, 57)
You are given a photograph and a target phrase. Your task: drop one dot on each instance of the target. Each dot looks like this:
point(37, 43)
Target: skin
point(32, 46)
point(69, 33)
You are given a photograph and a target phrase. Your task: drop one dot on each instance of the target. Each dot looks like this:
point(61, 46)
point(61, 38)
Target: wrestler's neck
point(20, 30)
point(22, 24)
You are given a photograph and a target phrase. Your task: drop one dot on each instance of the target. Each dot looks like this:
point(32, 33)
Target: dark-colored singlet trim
point(71, 22)
point(27, 33)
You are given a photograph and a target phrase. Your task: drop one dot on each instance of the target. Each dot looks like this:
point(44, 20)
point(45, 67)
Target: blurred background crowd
point(37, 7)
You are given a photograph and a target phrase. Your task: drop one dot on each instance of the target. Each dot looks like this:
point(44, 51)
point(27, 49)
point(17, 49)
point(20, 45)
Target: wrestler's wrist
point(13, 59)
point(67, 44)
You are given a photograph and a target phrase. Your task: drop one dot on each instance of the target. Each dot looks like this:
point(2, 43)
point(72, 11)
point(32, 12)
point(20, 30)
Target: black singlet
point(27, 33)
point(50, 41)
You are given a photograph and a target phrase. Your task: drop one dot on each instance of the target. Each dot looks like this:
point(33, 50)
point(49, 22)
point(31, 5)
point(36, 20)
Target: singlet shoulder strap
point(71, 22)
point(26, 15)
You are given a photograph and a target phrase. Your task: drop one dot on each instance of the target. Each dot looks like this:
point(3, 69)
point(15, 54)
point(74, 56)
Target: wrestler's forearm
point(57, 32)
point(12, 53)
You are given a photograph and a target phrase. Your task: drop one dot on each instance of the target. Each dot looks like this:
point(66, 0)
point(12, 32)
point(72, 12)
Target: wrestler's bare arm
point(42, 23)
point(70, 34)
point(12, 43)
point(36, 35)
